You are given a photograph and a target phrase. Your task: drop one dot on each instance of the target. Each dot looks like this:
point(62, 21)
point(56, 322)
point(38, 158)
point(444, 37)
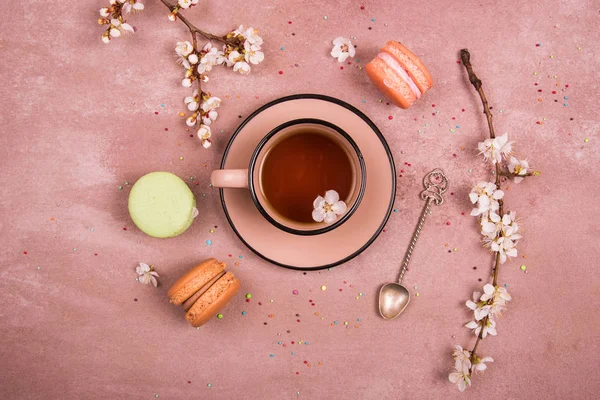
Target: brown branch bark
point(194, 29)
point(465, 56)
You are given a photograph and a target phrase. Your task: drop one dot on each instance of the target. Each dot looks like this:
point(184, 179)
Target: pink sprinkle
point(124, 229)
point(540, 90)
point(390, 117)
point(290, 22)
point(247, 300)
point(433, 105)
point(259, 303)
point(448, 223)
point(362, 7)
point(340, 290)
point(462, 213)
point(297, 373)
point(166, 129)
point(295, 292)
point(341, 67)
point(298, 320)
point(95, 254)
point(408, 164)
point(566, 85)
point(24, 252)
point(458, 61)
point(280, 72)
point(453, 155)
point(156, 112)
point(401, 170)
point(463, 110)
point(535, 84)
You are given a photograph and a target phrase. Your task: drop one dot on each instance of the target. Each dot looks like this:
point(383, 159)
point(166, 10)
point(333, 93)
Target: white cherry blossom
point(192, 101)
point(342, 49)
point(328, 208)
point(518, 167)
point(183, 49)
point(187, 3)
point(488, 325)
point(480, 308)
point(480, 363)
point(460, 378)
point(495, 149)
point(146, 274)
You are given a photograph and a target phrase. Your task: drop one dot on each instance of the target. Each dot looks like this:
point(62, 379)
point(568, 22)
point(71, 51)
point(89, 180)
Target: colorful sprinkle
point(209, 242)
point(220, 316)
point(323, 287)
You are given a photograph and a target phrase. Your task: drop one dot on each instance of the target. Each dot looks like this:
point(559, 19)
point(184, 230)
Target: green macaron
point(162, 205)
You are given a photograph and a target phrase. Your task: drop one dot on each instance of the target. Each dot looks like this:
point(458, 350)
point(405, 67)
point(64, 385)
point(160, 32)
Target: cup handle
point(229, 178)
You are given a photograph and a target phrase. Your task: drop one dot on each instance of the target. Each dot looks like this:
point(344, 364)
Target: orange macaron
point(204, 291)
point(399, 74)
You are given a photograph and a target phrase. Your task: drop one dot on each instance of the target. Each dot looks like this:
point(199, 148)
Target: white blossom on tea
point(146, 274)
point(328, 208)
point(495, 149)
point(342, 49)
point(519, 168)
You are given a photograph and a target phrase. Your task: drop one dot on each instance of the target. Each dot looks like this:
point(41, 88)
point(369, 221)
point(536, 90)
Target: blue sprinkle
point(271, 355)
point(457, 126)
point(241, 256)
point(335, 322)
point(162, 105)
point(373, 19)
point(278, 342)
point(243, 312)
point(357, 60)
point(364, 101)
point(358, 320)
point(506, 285)
point(293, 353)
point(282, 47)
point(565, 104)
point(305, 343)
point(395, 210)
point(209, 242)
point(566, 97)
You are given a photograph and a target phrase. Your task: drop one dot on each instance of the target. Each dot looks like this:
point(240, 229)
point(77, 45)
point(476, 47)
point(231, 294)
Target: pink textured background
point(78, 120)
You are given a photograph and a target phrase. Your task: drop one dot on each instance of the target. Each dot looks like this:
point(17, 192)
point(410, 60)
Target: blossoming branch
point(239, 49)
point(500, 233)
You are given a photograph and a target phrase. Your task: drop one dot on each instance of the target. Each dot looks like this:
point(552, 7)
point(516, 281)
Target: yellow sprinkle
point(182, 114)
point(316, 313)
point(455, 249)
point(586, 140)
point(535, 73)
point(417, 294)
point(323, 287)
point(578, 47)
point(181, 158)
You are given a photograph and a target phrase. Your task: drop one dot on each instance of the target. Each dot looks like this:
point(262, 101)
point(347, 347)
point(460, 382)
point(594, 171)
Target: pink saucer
point(331, 248)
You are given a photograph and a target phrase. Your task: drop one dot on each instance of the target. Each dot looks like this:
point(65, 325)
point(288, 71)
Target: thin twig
point(192, 27)
point(465, 56)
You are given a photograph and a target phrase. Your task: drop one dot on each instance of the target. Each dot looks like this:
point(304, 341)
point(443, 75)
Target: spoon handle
point(435, 184)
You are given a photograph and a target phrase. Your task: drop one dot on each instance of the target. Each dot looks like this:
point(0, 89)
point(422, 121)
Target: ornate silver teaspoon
point(394, 297)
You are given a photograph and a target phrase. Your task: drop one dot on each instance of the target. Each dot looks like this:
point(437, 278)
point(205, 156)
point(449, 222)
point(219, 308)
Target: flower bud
point(172, 17)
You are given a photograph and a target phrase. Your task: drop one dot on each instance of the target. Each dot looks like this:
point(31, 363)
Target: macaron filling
point(192, 299)
point(398, 69)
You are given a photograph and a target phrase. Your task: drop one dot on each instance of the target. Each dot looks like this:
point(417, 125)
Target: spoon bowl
point(393, 299)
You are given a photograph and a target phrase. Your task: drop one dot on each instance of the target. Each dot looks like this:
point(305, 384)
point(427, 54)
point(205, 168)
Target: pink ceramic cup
point(251, 178)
